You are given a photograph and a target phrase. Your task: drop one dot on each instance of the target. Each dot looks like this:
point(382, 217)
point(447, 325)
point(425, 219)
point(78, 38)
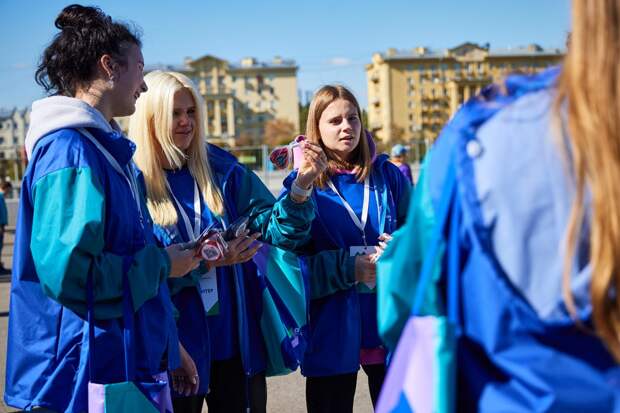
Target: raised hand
point(314, 162)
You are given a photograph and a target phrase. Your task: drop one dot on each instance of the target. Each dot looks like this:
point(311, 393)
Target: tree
point(303, 117)
point(278, 132)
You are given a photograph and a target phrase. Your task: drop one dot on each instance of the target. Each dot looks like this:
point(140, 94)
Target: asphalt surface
point(286, 394)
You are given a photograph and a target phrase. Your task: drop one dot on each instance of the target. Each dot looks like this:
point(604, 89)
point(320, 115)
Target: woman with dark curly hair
point(84, 229)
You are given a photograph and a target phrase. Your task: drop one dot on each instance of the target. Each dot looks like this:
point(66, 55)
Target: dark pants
point(336, 393)
point(376, 375)
point(229, 391)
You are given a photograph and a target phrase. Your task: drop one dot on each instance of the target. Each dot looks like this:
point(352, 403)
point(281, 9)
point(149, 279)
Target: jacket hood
point(61, 112)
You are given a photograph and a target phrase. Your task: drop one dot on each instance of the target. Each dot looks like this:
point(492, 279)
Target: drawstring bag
point(130, 396)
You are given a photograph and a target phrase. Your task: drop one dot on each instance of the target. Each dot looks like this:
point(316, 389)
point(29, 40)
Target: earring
point(111, 82)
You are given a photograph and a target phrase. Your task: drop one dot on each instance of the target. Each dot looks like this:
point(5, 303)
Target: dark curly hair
point(86, 34)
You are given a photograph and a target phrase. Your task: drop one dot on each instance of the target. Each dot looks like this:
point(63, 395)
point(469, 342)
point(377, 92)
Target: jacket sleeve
point(401, 191)
point(330, 271)
point(68, 241)
point(399, 267)
point(282, 223)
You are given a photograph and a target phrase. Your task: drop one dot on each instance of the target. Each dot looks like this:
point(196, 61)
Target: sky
point(330, 40)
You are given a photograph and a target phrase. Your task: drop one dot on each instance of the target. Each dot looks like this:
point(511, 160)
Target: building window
point(457, 67)
point(444, 66)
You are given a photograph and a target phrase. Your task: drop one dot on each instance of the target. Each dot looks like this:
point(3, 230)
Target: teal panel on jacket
point(404, 255)
point(69, 208)
point(285, 276)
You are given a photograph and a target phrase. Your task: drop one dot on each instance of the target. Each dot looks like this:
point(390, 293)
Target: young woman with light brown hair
point(360, 198)
point(532, 268)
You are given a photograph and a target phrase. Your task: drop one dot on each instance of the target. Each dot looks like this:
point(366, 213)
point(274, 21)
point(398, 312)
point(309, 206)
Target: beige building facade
point(412, 94)
point(242, 97)
point(13, 128)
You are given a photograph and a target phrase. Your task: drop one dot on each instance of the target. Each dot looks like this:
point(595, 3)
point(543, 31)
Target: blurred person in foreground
point(523, 184)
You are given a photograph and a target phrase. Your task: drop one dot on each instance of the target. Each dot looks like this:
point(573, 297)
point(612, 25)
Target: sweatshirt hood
point(61, 112)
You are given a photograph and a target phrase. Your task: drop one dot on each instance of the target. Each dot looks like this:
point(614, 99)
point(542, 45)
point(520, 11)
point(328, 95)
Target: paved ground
point(285, 394)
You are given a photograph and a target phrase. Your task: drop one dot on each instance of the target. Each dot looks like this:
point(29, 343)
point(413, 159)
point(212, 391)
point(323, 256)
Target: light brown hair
point(361, 158)
point(589, 90)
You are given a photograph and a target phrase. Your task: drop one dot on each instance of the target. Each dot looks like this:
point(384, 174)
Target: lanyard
point(193, 232)
point(360, 224)
point(131, 180)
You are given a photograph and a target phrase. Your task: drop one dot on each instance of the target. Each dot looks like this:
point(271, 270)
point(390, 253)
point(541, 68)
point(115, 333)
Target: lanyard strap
point(131, 180)
point(360, 224)
point(193, 231)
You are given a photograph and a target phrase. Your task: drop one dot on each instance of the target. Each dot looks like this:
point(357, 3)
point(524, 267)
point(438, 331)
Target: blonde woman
point(191, 185)
point(359, 198)
point(534, 235)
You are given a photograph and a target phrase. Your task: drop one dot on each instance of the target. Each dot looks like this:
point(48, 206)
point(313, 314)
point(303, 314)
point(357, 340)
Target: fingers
point(183, 261)
point(236, 244)
point(247, 241)
point(318, 159)
point(385, 237)
point(312, 147)
point(185, 385)
point(196, 385)
point(248, 254)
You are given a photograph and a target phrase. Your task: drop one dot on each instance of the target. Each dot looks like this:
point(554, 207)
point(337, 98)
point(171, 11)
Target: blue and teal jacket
point(77, 216)
point(342, 315)
point(237, 328)
point(518, 348)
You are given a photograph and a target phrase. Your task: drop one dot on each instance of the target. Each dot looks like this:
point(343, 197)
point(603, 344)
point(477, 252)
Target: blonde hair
point(150, 128)
point(361, 158)
point(589, 88)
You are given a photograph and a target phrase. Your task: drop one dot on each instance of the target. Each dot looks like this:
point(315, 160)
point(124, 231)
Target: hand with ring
point(185, 379)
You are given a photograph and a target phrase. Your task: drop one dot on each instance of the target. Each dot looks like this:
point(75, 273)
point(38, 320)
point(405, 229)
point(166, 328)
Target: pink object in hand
point(298, 153)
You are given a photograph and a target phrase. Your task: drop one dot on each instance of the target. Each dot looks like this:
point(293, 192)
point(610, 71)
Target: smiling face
point(183, 119)
point(129, 82)
point(340, 128)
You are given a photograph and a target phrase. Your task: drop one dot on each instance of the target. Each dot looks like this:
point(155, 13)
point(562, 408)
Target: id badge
point(364, 250)
point(207, 287)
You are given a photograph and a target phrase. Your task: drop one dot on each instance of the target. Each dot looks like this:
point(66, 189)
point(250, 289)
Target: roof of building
point(6, 114)
point(252, 63)
point(428, 53)
point(248, 63)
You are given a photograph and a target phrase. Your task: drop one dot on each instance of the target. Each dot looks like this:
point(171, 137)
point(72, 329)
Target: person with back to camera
point(521, 192)
point(83, 221)
point(360, 199)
